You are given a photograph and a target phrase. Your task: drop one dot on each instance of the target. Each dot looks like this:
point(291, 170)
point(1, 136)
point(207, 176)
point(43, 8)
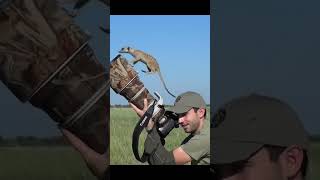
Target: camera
point(166, 123)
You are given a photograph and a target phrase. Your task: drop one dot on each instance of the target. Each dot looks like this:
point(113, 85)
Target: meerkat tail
point(162, 80)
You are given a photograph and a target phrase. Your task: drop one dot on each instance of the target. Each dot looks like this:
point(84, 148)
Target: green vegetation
point(39, 163)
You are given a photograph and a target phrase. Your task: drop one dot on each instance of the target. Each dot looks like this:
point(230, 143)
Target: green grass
point(39, 163)
point(122, 123)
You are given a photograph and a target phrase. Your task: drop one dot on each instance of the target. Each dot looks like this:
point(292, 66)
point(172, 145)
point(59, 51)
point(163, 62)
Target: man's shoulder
point(197, 146)
point(197, 143)
point(187, 139)
point(202, 136)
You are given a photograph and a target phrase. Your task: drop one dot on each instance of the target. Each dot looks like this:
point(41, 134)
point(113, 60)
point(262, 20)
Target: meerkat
point(148, 60)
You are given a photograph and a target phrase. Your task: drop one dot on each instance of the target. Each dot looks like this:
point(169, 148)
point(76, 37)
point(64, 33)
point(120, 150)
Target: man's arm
point(155, 152)
point(158, 155)
point(181, 157)
point(97, 163)
point(153, 146)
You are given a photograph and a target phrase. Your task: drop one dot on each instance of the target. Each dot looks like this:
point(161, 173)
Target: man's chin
point(187, 130)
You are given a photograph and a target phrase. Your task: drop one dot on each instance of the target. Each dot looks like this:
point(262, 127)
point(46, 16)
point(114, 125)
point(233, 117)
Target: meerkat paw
point(146, 72)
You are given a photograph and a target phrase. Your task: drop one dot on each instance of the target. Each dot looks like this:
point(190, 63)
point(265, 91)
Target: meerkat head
point(126, 50)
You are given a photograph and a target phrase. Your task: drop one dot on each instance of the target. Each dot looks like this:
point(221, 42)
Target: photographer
point(191, 110)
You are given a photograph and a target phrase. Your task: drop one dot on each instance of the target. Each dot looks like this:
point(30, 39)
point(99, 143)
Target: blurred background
point(31, 146)
point(271, 48)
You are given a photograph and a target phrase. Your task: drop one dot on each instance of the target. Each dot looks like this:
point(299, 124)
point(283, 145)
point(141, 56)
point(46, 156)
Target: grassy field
point(122, 123)
point(39, 163)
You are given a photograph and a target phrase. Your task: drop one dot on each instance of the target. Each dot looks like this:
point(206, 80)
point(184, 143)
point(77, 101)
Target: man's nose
point(181, 119)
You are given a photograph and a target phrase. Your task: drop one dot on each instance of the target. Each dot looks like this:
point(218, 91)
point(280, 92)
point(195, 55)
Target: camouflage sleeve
point(156, 152)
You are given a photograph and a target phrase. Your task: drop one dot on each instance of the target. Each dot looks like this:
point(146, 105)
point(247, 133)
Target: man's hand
point(140, 112)
point(97, 163)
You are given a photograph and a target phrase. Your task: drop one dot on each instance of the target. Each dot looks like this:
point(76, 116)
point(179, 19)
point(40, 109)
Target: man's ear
point(291, 161)
point(201, 112)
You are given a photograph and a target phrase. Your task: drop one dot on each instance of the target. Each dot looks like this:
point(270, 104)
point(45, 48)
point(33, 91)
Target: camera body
point(166, 123)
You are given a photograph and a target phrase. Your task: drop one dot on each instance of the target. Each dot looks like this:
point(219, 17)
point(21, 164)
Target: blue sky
point(181, 44)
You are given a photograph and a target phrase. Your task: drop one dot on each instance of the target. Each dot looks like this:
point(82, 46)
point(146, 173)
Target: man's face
point(189, 121)
point(258, 167)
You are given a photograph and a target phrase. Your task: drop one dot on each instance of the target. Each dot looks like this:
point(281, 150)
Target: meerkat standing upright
point(148, 60)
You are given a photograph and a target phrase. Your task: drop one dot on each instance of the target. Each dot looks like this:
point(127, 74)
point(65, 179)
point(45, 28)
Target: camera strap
point(142, 123)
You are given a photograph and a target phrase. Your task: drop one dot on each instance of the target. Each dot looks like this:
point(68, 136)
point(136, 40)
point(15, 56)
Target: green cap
point(242, 126)
point(186, 101)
